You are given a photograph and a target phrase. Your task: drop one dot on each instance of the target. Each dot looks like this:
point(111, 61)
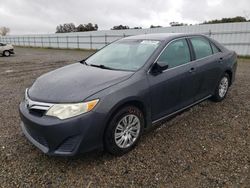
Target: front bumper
point(63, 137)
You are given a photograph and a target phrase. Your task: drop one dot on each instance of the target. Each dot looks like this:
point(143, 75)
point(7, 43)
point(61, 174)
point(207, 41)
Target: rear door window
point(201, 47)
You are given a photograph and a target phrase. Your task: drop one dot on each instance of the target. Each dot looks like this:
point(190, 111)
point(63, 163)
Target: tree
point(227, 20)
point(155, 26)
point(70, 27)
point(96, 27)
point(80, 28)
point(66, 28)
point(59, 29)
point(120, 27)
point(137, 28)
point(4, 31)
point(177, 24)
point(90, 27)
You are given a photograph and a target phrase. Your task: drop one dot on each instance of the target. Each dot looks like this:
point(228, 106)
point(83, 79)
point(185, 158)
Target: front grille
point(36, 108)
point(68, 145)
point(37, 112)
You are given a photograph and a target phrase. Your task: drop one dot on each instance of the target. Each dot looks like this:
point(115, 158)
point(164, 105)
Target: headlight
point(64, 111)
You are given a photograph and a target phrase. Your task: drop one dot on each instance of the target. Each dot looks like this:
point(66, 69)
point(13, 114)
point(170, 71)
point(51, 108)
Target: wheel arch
point(230, 74)
point(133, 102)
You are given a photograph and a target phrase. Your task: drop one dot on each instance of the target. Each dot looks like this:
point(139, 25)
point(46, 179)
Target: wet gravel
point(205, 146)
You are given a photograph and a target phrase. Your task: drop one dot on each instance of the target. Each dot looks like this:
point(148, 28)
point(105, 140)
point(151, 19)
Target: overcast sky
point(42, 16)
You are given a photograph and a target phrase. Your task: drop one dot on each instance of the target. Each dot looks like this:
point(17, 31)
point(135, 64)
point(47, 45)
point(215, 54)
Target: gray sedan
point(109, 99)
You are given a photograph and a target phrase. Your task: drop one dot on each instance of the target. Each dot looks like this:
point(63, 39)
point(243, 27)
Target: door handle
point(192, 70)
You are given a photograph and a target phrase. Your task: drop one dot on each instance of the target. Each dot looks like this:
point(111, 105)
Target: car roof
point(160, 36)
point(166, 37)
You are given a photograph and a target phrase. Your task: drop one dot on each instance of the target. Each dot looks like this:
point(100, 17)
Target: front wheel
point(6, 53)
point(124, 130)
point(222, 88)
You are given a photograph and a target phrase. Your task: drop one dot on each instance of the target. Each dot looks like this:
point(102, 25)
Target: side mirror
point(158, 68)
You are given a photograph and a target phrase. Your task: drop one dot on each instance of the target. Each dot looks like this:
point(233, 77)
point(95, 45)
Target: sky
point(42, 16)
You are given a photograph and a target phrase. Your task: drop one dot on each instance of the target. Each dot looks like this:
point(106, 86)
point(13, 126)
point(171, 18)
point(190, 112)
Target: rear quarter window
point(215, 48)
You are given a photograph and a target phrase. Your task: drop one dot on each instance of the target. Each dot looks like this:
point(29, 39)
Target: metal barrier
point(235, 36)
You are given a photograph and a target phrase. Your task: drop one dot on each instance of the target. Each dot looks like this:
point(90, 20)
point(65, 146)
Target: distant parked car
point(109, 99)
point(6, 49)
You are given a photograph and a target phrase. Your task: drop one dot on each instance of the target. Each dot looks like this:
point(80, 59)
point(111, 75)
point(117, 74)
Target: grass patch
point(244, 56)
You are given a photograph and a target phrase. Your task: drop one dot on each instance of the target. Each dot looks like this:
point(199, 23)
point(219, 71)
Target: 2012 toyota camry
point(107, 100)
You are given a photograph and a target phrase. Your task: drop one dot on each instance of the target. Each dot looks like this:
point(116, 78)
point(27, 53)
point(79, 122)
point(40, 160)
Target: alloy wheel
point(7, 53)
point(127, 131)
point(223, 87)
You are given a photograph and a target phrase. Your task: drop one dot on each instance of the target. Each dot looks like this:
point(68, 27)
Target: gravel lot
point(206, 146)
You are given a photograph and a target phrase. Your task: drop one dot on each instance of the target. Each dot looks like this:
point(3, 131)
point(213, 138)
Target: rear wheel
point(6, 53)
point(222, 88)
point(124, 130)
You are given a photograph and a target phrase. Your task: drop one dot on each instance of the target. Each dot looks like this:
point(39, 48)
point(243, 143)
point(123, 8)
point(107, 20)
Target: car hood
point(74, 83)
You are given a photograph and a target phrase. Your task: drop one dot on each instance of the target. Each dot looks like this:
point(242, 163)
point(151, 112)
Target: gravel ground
point(206, 146)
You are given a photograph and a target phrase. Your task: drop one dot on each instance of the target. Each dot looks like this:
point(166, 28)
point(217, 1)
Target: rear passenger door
point(208, 58)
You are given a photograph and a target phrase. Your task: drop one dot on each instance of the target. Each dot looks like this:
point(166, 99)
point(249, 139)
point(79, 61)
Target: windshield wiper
point(101, 66)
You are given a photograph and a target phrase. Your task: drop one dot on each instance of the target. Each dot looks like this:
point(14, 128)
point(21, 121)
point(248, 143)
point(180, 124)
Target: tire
point(6, 53)
point(124, 131)
point(222, 88)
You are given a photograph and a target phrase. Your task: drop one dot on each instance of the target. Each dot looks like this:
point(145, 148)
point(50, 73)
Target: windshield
point(127, 55)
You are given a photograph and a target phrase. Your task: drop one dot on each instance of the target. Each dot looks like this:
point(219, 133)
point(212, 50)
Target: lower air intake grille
point(68, 145)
